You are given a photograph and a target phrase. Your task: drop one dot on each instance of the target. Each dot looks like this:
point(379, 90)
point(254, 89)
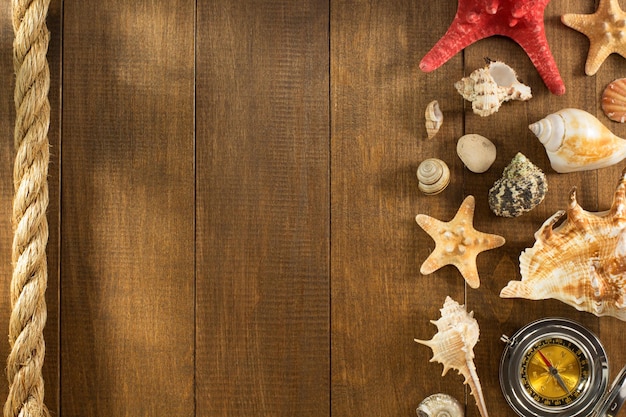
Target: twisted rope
point(30, 270)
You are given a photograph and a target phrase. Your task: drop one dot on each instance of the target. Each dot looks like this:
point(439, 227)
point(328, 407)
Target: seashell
point(433, 176)
point(434, 118)
point(520, 189)
point(614, 100)
point(453, 346)
point(477, 152)
point(488, 87)
point(577, 141)
point(440, 405)
point(581, 262)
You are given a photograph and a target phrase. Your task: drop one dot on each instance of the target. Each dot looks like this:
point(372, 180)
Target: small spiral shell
point(434, 118)
point(440, 405)
point(433, 176)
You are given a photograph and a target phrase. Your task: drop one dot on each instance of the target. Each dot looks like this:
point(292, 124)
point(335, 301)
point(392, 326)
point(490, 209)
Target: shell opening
point(502, 74)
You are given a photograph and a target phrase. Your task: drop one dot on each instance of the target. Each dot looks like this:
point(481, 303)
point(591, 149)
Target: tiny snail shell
point(434, 118)
point(433, 176)
point(440, 405)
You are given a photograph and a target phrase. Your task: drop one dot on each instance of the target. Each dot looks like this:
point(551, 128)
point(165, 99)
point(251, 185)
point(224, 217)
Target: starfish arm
point(469, 272)
point(460, 35)
point(538, 50)
point(596, 57)
point(431, 264)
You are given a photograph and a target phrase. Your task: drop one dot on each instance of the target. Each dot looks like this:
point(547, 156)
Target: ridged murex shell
point(582, 262)
point(453, 346)
point(488, 87)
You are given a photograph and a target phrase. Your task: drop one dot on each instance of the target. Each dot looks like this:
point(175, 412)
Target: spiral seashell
point(453, 346)
point(520, 189)
point(440, 405)
point(577, 141)
point(488, 87)
point(433, 176)
point(614, 100)
point(434, 118)
point(579, 258)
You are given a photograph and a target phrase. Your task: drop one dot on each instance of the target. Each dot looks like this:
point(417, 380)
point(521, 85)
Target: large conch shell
point(453, 346)
point(577, 141)
point(582, 262)
point(488, 87)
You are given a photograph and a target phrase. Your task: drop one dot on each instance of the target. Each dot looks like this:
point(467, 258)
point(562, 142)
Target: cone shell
point(488, 87)
point(614, 100)
point(433, 176)
point(434, 118)
point(453, 346)
point(520, 189)
point(577, 141)
point(440, 405)
point(582, 262)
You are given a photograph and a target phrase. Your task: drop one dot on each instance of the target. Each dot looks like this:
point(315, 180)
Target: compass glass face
point(554, 372)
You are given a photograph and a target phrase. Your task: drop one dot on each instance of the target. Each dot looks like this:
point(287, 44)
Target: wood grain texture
point(380, 303)
point(233, 196)
point(127, 233)
point(263, 204)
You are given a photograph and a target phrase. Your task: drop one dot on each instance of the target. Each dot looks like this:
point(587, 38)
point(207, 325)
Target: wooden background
point(233, 196)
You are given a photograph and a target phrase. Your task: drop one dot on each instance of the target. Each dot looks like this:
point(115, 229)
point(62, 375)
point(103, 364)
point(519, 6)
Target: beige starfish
point(606, 30)
point(457, 242)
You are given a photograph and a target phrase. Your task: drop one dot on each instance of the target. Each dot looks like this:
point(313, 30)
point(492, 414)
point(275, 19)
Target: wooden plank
point(127, 292)
point(263, 204)
point(380, 301)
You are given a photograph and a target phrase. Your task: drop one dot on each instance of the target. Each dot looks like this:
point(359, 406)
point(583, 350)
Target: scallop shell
point(440, 405)
point(434, 118)
point(433, 176)
point(520, 189)
point(477, 152)
point(577, 141)
point(453, 346)
point(614, 100)
point(581, 262)
point(488, 87)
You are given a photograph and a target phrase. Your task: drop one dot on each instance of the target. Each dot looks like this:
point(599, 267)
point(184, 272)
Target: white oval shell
point(477, 152)
point(440, 405)
point(434, 118)
point(433, 176)
point(577, 141)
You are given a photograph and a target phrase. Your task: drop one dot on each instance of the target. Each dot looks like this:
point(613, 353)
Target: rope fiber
point(30, 226)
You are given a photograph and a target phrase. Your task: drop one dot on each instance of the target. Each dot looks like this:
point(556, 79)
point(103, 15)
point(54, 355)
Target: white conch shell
point(577, 141)
point(453, 346)
point(433, 176)
point(488, 87)
point(434, 118)
point(582, 262)
point(440, 405)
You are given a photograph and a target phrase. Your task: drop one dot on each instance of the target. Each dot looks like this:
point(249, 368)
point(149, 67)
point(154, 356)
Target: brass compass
point(556, 366)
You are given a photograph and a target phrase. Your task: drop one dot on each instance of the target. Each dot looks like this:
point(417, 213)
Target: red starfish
point(520, 20)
